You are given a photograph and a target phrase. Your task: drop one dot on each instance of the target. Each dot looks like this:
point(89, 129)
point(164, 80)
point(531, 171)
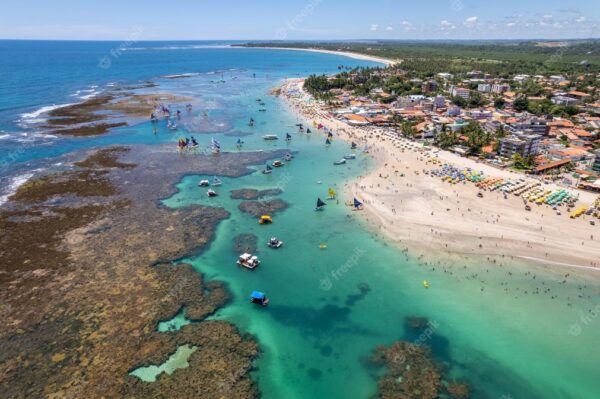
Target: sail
point(357, 203)
point(353, 145)
point(288, 136)
point(239, 141)
point(320, 203)
point(327, 141)
point(308, 131)
point(330, 134)
point(331, 193)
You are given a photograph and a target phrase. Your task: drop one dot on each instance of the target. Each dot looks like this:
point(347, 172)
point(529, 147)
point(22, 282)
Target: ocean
point(337, 288)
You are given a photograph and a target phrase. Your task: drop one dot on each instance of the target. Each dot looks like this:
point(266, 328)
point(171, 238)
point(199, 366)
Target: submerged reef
point(258, 208)
point(252, 194)
point(88, 272)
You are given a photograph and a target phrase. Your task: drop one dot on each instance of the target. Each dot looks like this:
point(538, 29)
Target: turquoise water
point(330, 308)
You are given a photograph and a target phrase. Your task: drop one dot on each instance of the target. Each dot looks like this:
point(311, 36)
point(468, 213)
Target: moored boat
point(216, 182)
point(259, 298)
point(340, 162)
point(320, 205)
point(204, 183)
point(248, 261)
point(274, 243)
point(350, 156)
point(212, 193)
point(270, 137)
point(277, 164)
point(267, 170)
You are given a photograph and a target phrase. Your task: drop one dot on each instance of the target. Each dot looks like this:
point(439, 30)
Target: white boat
point(288, 157)
point(203, 183)
point(274, 243)
point(211, 193)
point(277, 164)
point(248, 261)
point(216, 182)
point(340, 162)
point(270, 137)
point(350, 156)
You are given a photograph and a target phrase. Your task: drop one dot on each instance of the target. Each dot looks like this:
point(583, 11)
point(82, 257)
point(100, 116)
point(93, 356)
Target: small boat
point(215, 146)
point(332, 194)
point(308, 131)
point(262, 110)
point(288, 157)
point(171, 125)
point(239, 143)
point(330, 135)
point(480, 194)
point(277, 164)
point(425, 284)
point(267, 170)
point(270, 137)
point(216, 182)
point(322, 246)
point(357, 205)
point(248, 261)
point(340, 162)
point(274, 243)
point(353, 146)
point(265, 219)
point(350, 156)
point(327, 141)
point(251, 123)
point(212, 193)
point(320, 205)
point(288, 137)
point(259, 298)
point(204, 183)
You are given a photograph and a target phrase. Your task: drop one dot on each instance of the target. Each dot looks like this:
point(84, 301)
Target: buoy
point(425, 284)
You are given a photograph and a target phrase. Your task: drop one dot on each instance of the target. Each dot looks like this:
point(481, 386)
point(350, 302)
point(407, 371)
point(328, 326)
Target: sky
point(298, 19)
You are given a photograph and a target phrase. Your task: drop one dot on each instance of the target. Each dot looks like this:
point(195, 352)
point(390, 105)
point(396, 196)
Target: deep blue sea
point(330, 307)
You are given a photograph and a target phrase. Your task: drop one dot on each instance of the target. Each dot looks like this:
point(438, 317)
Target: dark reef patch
point(245, 243)
point(252, 194)
point(258, 208)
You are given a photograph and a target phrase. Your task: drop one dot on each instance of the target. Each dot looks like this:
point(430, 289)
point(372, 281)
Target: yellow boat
point(425, 284)
point(332, 194)
point(265, 219)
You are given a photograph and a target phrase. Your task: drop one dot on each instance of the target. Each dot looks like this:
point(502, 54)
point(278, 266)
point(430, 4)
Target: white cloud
point(580, 19)
point(471, 22)
point(374, 27)
point(511, 24)
point(389, 28)
point(446, 25)
point(547, 16)
point(407, 26)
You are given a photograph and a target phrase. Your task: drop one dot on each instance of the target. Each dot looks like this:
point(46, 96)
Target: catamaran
point(332, 194)
point(215, 146)
point(320, 205)
point(357, 205)
point(248, 261)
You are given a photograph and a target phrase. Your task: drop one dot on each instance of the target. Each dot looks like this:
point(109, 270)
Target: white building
point(484, 88)
point(460, 92)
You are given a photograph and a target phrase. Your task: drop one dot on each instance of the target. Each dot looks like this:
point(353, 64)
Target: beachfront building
point(533, 125)
point(520, 143)
point(484, 88)
point(500, 88)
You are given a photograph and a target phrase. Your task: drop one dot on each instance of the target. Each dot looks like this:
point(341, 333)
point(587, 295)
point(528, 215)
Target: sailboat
point(327, 141)
point(332, 194)
point(239, 143)
point(366, 149)
point(320, 205)
point(288, 137)
point(216, 181)
point(353, 146)
point(330, 135)
point(267, 170)
point(215, 146)
point(251, 123)
point(308, 131)
point(357, 205)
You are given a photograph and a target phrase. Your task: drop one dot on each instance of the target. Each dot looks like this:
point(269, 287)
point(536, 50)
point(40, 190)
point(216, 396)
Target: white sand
point(349, 54)
point(428, 215)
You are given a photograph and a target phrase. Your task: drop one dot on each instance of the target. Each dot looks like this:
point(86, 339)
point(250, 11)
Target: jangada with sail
point(320, 205)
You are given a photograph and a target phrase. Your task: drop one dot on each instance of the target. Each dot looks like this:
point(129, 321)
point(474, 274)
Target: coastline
point(356, 56)
point(453, 221)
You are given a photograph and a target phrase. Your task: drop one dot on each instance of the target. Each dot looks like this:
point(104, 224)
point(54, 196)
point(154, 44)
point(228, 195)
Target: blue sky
point(298, 19)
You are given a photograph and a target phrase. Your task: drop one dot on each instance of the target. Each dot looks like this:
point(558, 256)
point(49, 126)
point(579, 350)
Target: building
point(439, 102)
point(520, 143)
point(430, 86)
point(564, 100)
point(484, 88)
point(460, 92)
point(533, 125)
point(500, 88)
point(596, 164)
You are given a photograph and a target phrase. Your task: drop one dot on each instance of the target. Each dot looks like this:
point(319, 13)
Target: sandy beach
point(421, 212)
point(356, 56)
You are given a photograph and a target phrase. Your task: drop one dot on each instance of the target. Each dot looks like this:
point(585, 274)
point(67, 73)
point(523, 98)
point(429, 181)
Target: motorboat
point(277, 164)
point(340, 162)
point(259, 298)
point(212, 193)
point(270, 137)
point(350, 156)
point(288, 157)
point(204, 183)
point(248, 261)
point(274, 243)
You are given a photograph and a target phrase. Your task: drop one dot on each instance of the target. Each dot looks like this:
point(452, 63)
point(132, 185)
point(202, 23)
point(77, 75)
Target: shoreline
point(492, 227)
point(356, 56)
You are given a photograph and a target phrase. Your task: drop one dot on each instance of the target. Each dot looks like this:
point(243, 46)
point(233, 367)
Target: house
point(564, 100)
point(484, 88)
point(578, 95)
point(500, 88)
